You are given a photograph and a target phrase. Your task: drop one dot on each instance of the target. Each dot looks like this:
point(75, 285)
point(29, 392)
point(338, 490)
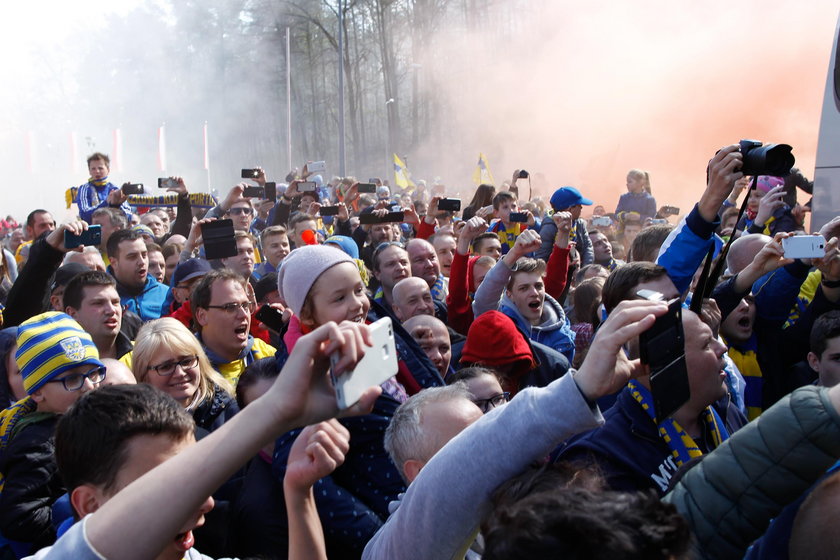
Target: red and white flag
point(206, 148)
point(117, 152)
point(161, 159)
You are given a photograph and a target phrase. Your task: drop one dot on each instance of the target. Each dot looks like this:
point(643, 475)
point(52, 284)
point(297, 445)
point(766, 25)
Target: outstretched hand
point(606, 368)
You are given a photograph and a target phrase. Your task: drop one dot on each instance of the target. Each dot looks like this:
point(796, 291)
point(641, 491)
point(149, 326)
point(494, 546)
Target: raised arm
point(526, 429)
point(302, 394)
point(27, 295)
point(490, 291)
point(317, 452)
point(557, 269)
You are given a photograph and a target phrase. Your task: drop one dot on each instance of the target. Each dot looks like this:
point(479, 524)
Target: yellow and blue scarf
point(745, 359)
point(682, 446)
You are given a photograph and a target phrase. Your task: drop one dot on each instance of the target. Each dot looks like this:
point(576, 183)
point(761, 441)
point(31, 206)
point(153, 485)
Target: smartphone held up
point(377, 366)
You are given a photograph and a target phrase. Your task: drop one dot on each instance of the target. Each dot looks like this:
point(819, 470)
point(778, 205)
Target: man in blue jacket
point(138, 291)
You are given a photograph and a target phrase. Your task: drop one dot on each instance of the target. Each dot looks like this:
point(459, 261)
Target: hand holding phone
point(518, 217)
point(250, 173)
point(167, 183)
point(367, 188)
point(253, 192)
point(92, 236)
point(272, 318)
point(133, 188)
point(662, 349)
point(449, 204)
point(377, 366)
point(219, 240)
point(804, 247)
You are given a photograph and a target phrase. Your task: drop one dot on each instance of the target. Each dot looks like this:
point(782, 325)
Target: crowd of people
point(159, 402)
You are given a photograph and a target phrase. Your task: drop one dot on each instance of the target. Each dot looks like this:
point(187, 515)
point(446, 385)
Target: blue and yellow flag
point(482, 173)
point(402, 177)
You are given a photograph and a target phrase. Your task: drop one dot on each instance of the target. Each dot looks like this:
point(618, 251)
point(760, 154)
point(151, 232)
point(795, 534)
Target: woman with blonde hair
point(638, 197)
point(168, 356)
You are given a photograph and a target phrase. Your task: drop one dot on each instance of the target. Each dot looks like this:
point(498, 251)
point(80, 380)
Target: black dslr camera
point(772, 159)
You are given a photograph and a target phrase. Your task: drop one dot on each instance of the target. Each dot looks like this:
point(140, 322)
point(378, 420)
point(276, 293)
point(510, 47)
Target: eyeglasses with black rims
point(487, 405)
point(168, 368)
point(234, 306)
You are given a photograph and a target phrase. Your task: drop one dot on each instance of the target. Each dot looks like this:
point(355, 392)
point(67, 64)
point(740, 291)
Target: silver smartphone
point(377, 365)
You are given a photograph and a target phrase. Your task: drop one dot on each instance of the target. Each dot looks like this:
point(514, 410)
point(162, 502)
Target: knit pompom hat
point(50, 344)
point(767, 182)
point(302, 267)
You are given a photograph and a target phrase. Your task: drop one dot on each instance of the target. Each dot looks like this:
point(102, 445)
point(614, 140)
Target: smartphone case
point(377, 366)
point(219, 241)
point(662, 348)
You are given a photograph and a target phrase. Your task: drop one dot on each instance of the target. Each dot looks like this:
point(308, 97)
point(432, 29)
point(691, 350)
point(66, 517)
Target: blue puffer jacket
point(150, 303)
point(555, 331)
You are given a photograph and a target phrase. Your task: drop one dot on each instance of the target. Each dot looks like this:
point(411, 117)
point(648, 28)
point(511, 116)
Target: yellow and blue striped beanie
point(50, 344)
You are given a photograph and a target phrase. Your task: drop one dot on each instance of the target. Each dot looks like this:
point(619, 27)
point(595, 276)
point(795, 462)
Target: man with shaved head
point(433, 337)
point(744, 249)
point(117, 373)
point(411, 297)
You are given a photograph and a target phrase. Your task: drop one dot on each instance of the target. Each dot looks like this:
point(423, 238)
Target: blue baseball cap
point(566, 197)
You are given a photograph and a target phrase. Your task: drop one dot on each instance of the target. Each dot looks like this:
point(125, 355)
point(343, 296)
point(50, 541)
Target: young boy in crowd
point(274, 242)
point(59, 363)
point(504, 203)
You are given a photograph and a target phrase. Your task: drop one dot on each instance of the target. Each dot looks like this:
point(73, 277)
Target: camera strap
point(711, 280)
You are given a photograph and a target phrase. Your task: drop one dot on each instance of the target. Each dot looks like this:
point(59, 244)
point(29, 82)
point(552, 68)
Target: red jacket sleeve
point(425, 230)
point(557, 272)
point(458, 304)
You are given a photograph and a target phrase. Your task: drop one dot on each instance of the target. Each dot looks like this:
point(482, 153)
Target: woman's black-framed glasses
point(168, 368)
point(486, 405)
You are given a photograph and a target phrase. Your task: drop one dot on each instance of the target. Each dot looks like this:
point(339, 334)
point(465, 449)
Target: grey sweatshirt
point(438, 519)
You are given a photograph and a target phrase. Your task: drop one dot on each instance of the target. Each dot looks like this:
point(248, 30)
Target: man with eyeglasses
point(222, 311)
point(59, 363)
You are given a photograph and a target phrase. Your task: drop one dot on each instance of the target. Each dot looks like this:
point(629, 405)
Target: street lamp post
point(388, 163)
point(341, 156)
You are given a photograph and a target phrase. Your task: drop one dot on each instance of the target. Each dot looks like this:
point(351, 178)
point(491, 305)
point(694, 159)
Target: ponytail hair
point(645, 175)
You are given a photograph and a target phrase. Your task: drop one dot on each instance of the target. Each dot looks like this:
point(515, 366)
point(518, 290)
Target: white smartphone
point(377, 365)
point(316, 166)
point(804, 247)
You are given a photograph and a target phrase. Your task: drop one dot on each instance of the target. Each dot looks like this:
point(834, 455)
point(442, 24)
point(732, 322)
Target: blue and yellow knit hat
point(50, 344)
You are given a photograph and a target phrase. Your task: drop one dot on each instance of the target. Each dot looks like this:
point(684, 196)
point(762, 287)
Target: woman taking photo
point(483, 197)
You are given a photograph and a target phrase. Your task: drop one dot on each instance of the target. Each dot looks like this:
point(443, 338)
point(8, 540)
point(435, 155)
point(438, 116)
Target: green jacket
point(730, 497)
